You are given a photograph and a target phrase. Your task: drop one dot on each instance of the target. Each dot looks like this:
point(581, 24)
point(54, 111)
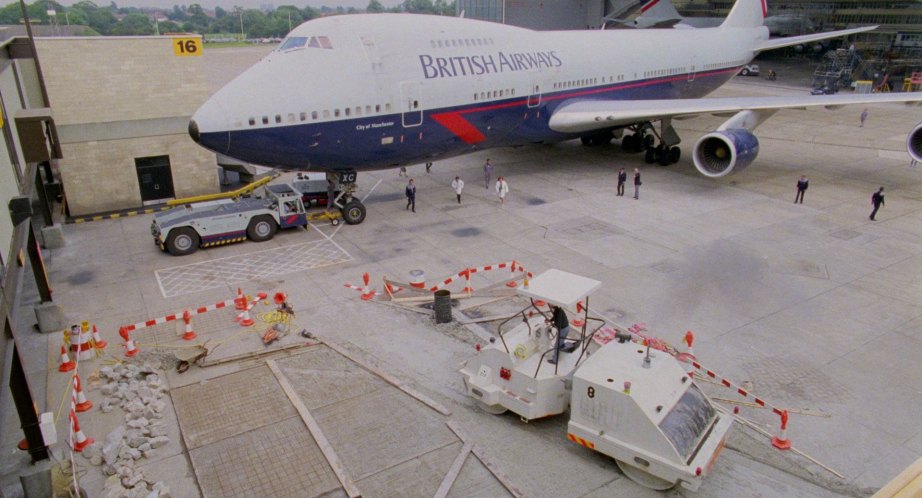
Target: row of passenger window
point(325, 114)
point(463, 42)
point(495, 94)
point(721, 65)
point(587, 82)
point(663, 72)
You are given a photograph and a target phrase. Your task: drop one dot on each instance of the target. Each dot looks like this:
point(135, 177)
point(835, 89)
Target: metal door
point(154, 178)
point(411, 105)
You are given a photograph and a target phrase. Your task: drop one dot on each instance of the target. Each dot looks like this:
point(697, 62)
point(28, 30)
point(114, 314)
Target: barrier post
point(190, 334)
point(781, 441)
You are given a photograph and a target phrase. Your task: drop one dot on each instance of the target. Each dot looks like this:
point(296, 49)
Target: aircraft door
point(534, 91)
point(691, 70)
point(410, 98)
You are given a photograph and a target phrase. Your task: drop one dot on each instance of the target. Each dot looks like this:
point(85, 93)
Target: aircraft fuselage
point(376, 91)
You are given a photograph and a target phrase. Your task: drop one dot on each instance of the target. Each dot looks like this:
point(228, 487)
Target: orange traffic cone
point(66, 363)
point(781, 441)
point(80, 439)
point(130, 348)
point(187, 317)
point(82, 404)
point(245, 319)
point(241, 301)
point(97, 341)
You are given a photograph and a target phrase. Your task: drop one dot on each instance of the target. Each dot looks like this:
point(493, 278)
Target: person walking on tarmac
point(637, 183)
point(622, 179)
point(487, 174)
point(457, 185)
point(877, 200)
point(802, 185)
point(411, 195)
point(502, 188)
point(560, 322)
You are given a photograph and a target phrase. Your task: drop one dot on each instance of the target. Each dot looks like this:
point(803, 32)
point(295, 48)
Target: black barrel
point(442, 306)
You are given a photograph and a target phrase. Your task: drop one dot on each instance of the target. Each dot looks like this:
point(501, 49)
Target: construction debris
point(136, 390)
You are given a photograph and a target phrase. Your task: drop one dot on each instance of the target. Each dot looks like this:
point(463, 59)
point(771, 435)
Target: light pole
point(242, 36)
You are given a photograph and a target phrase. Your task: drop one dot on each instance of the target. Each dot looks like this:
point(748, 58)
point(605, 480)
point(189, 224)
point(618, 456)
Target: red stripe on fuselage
point(460, 127)
point(455, 123)
point(654, 2)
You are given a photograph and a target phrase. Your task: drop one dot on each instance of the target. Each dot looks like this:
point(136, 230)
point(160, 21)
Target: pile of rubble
point(136, 390)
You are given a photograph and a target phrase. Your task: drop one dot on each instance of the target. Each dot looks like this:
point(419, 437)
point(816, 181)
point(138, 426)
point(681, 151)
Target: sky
point(247, 4)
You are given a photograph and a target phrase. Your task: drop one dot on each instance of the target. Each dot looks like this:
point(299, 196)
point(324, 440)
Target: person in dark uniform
point(802, 185)
point(877, 199)
point(411, 195)
point(622, 179)
point(560, 322)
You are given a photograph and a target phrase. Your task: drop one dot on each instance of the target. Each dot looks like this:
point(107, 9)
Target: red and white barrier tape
point(178, 316)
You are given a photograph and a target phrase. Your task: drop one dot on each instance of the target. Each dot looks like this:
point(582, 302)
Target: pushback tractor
point(637, 406)
point(182, 230)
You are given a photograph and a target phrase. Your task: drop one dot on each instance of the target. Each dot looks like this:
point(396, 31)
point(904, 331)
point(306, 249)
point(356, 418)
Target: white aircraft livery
point(374, 91)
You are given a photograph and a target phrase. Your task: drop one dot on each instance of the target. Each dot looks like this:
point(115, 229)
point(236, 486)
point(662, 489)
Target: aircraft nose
point(209, 127)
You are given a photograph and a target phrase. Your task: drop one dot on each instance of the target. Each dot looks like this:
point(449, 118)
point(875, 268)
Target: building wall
point(113, 183)
point(115, 99)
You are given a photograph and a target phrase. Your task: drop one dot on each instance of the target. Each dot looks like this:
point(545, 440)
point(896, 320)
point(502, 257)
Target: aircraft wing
point(587, 115)
point(789, 41)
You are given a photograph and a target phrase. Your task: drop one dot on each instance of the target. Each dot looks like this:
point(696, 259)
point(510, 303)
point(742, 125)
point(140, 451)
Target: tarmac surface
point(811, 305)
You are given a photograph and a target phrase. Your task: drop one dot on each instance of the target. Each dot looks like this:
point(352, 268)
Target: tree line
point(251, 23)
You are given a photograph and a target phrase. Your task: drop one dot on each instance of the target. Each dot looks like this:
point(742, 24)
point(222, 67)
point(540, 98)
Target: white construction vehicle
point(640, 408)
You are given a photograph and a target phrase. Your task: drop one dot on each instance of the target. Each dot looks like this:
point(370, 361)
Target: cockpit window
point(293, 42)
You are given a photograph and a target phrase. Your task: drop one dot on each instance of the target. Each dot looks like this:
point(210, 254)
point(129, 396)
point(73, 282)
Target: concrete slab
point(322, 377)
point(368, 441)
point(229, 405)
point(279, 459)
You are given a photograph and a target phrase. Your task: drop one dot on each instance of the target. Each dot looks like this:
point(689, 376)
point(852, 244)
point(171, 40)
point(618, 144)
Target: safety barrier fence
point(240, 303)
point(418, 284)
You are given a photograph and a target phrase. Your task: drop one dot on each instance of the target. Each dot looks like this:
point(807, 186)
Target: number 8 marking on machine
point(590, 391)
point(184, 47)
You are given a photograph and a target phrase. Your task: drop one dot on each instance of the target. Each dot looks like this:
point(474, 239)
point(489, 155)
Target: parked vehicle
point(749, 70)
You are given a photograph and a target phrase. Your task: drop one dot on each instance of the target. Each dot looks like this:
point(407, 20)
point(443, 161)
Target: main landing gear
point(351, 207)
point(661, 148)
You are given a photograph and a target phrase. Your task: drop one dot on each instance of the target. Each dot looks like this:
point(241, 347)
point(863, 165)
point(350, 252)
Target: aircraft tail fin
point(746, 14)
point(659, 9)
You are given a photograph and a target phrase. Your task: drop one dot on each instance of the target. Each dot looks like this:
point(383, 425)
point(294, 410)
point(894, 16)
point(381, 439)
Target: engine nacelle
point(720, 153)
point(914, 143)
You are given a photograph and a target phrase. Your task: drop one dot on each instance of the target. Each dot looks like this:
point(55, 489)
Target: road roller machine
point(513, 373)
point(642, 408)
point(637, 405)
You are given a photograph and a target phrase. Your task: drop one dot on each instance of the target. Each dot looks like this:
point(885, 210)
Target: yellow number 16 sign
point(184, 47)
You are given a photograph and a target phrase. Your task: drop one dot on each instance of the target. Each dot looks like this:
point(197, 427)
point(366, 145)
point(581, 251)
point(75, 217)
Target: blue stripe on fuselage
point(360, 143)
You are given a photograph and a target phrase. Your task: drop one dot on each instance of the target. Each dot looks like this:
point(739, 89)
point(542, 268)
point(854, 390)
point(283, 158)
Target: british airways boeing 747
point(365, 92)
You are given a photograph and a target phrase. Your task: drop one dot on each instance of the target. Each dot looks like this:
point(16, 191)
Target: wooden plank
point(255, 354)
point(314, 428)
point(390, 379)
point(453, 472)
point(486, 461)
point(903, 484)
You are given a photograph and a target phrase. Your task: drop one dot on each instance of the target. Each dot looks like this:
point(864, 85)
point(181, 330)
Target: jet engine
point(720, 153)
point(914, 143)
